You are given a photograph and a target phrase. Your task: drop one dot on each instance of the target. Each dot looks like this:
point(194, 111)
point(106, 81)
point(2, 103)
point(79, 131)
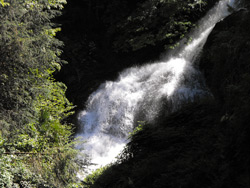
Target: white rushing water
point(139, 93)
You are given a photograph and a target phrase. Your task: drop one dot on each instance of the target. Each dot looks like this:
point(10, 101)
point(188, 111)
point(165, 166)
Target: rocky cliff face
point(226, 65)
point(226, 56)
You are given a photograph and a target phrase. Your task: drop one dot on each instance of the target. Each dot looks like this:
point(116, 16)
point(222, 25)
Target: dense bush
point(35, 144)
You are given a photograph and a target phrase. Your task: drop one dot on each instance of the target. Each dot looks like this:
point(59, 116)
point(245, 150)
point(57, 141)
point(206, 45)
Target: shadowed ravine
point(140, 92)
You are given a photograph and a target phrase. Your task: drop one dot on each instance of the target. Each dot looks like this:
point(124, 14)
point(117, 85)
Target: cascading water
point(139, 92)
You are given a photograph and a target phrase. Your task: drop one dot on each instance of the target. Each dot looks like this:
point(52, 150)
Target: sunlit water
point(139, 93)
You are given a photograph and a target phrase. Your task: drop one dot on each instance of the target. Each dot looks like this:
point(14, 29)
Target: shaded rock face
point(226, 55)
point(225, 63)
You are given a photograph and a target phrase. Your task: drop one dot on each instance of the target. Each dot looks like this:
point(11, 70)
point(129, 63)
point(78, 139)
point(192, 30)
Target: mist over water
point(139, 93)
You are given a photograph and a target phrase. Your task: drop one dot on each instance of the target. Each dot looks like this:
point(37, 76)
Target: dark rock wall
point(226, 55)
point(226, 66)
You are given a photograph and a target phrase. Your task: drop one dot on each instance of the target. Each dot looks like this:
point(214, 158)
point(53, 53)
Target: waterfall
point(139, 93)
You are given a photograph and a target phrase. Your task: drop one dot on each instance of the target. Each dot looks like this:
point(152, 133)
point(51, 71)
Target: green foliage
point(6, 175)
point(90, 179)
point(4, 3)
point(35, 144)
point(156, 22)
point(138, 128)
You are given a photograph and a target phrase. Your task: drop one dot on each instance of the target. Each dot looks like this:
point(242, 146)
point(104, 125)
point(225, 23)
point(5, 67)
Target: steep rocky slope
point(226, 55)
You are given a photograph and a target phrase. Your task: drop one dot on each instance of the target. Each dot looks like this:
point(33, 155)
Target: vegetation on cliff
point(35, 145)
